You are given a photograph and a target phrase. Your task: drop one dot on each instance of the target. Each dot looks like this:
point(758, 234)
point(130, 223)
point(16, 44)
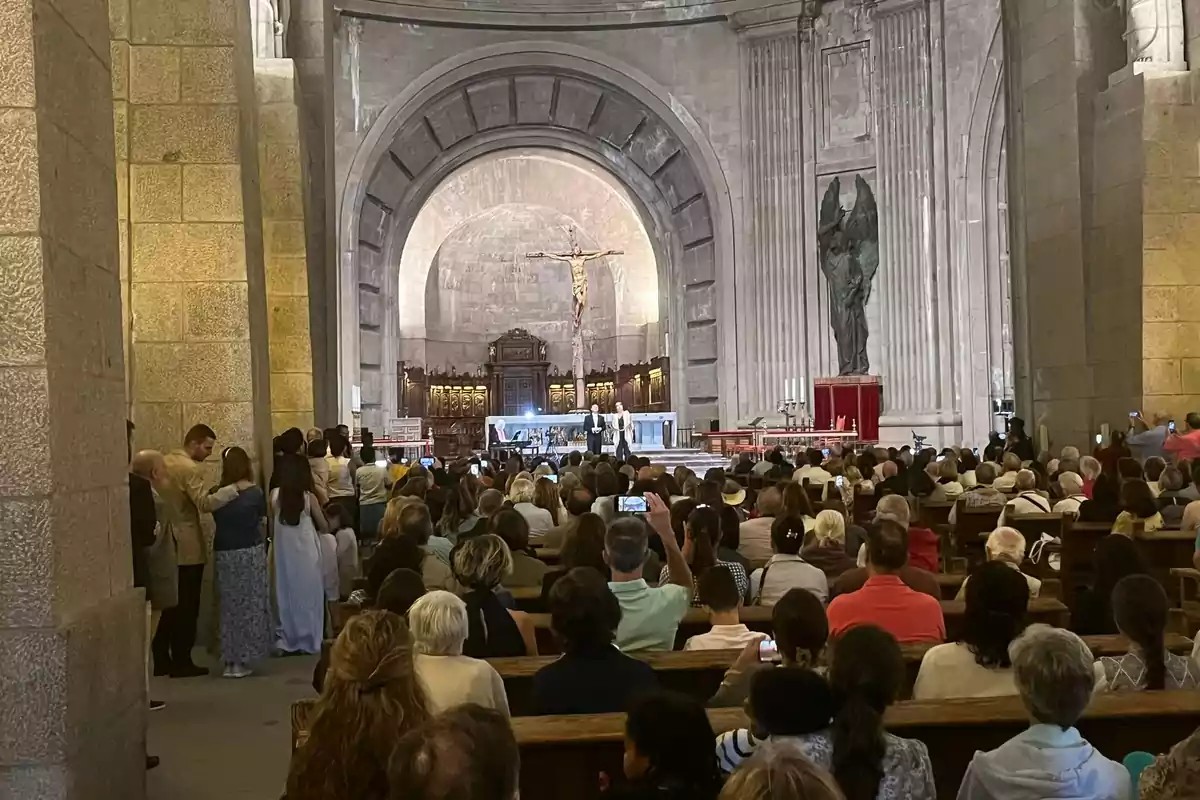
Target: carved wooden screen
point(562, 396)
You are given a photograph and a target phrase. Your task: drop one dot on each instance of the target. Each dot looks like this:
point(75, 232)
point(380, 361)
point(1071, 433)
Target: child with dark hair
point(783, 703)
point(668, 751)
point(717, 591)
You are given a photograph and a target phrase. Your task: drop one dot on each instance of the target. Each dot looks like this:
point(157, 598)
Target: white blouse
point(950, 670)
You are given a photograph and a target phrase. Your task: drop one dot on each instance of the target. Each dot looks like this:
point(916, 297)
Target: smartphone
point(1099, 438)
point(552, 478)
point(768, 650)
point(483, 464)
point(1133, 414)
point(1003, 436)
point(403, 460)
point(632, 505)
point(839, 482)
point(1171, 426)
point(975, 450)
point(825, 452)
point(475, 470)
point(427, 463)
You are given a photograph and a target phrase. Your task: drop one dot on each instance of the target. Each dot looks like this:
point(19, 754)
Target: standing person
point(187, 495)
point(154, 559)
point(339, 485)
point(594, 425)
point(623, 423)
point(299, 584)
point(373, 483)
point(240, 558)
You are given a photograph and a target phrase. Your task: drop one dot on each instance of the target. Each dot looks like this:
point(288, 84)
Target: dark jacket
point(142, 519)
point(599, 681)
point(833, 561)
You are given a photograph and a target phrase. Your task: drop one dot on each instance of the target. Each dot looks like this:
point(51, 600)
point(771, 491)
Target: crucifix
point(577, 258)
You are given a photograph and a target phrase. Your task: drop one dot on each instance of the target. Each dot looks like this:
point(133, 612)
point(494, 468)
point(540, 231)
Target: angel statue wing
point(862, 225)
point(831, 213)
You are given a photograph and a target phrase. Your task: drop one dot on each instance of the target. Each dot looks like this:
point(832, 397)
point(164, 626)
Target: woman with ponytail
point(702, 536)
point(866, 675)
point(977, 665)
point(1140, 610)
point(371, 696)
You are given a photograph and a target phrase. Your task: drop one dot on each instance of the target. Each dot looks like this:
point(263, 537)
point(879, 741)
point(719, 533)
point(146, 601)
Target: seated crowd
point(411, 707)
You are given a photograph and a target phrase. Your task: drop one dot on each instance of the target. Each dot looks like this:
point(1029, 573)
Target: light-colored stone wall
point(1169, 250)
point(280, 168)
point(189, 295)
point(72, 670)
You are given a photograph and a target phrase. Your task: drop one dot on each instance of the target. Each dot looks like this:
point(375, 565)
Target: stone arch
point(986, 244)
point(540, 95)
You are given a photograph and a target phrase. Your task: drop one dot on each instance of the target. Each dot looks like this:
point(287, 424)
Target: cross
point(577, 257)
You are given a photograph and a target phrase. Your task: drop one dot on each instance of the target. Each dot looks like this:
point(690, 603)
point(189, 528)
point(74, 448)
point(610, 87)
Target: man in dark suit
point(594, 425)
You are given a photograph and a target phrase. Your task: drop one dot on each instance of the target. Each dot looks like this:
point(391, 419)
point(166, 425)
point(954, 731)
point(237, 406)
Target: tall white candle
point(802, 387)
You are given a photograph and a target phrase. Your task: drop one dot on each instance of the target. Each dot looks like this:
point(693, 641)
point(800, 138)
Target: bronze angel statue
point(849, 246)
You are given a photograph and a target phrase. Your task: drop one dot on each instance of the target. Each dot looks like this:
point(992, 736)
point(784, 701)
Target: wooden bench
point(698, 673)
point(758, 618)
point(1163, 551)
point(562, 756)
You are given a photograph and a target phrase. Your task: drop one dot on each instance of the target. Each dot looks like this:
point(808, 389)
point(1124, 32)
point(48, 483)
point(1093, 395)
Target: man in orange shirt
point(885, 600)
point(1186, 445)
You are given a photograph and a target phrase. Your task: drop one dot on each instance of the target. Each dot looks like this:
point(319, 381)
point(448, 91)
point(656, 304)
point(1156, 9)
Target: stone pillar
point(72, 671)
point(191, 328)
point(284, 243)
point(1146, 212)
point(771, 272)
point(915, 317)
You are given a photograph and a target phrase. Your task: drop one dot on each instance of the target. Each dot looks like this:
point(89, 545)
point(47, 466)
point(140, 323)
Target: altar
point(561, 433)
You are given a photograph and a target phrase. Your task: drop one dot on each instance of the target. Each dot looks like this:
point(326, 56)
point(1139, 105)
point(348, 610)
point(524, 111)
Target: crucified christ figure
point(577, 258)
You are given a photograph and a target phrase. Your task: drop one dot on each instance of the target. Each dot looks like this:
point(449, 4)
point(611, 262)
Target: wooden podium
point(858, 398)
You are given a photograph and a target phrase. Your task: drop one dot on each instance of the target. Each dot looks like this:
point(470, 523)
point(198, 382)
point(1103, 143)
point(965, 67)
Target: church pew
point(698, 673)
point(971, 529)
point(758, 618)
point(1162, 550)
point(930, 514)
point(562, 756)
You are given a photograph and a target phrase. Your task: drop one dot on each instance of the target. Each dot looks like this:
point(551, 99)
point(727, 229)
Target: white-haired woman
point(1006, 545)
point(1089, 468)
point(1054, 676)
point(1010, 466)
point(438, 621)
point(1072, 488)
point(827, 551)
point(521, 494)
point(946, 484)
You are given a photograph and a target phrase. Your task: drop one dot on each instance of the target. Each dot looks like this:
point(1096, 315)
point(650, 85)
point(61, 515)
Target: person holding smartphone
point(1147, 439)
point(1185, 445)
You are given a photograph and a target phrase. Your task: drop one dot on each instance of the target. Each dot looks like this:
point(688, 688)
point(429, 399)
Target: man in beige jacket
point(186, 493)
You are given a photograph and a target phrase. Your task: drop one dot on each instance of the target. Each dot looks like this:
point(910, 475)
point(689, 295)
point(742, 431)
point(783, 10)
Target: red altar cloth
point(856, 397)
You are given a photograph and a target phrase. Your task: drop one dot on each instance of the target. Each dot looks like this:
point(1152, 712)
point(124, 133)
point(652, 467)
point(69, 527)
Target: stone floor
point(225, 739)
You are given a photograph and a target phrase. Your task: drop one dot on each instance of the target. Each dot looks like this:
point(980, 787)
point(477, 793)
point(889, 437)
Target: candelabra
point(788, 409)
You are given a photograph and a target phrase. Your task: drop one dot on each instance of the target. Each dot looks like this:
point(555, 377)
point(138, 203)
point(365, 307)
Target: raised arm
point(550, 256)
point(601, 254)
point(660, 520)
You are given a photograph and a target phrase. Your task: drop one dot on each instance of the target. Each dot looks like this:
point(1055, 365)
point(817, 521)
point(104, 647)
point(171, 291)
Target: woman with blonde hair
point(522, 494)
point(826, 550)
point(480, 564)
point(545, 496)
point(371, 695)
point(779, 771)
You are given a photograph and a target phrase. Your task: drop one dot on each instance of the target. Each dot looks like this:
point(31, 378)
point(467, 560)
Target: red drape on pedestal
point(857, 398)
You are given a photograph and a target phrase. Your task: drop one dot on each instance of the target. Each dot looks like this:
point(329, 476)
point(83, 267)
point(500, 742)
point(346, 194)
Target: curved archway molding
point(560, 97)
point(986, 357)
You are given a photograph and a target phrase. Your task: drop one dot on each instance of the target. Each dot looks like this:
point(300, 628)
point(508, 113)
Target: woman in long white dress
point(299, 581)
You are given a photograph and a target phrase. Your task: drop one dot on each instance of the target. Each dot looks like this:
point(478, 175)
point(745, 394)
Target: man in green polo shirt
point(649, 616)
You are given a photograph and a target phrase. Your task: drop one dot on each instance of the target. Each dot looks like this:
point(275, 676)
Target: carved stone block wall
point(72, 669)
point(284, 245)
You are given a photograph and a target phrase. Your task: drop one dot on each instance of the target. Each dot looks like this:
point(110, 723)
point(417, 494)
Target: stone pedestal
point(72, 670)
